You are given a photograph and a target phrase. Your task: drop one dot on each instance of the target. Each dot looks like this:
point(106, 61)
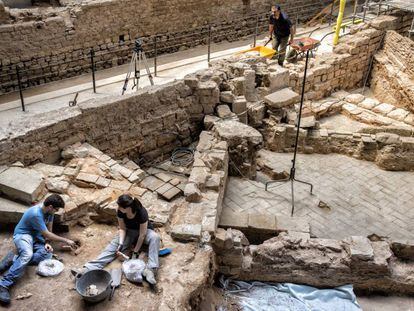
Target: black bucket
point(101, 278)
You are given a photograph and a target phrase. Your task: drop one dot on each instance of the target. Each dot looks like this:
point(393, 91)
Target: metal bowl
point(101, 278)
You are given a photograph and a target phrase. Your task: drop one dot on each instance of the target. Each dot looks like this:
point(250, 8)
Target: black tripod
point(138, 55)
point(292, 177)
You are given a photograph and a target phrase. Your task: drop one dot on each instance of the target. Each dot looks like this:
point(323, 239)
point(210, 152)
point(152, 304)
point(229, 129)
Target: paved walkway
point(362, 198)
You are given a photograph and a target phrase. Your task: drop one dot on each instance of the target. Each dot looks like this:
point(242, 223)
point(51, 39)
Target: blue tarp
point(258, 296)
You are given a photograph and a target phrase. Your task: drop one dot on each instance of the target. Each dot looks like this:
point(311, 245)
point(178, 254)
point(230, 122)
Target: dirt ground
point(181, 273)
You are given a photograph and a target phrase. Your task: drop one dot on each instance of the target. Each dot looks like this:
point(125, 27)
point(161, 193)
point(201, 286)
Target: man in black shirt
point(135, 229)
point(280, 29)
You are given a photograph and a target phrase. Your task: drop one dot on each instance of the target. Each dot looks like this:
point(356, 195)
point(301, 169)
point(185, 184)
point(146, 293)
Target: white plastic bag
point(49, 267)
point(133, 270)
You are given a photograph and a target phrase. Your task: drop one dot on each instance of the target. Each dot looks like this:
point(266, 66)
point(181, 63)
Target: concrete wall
point(43, 43)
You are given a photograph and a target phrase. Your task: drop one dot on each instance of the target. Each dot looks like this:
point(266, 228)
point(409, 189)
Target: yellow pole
point(339, 21)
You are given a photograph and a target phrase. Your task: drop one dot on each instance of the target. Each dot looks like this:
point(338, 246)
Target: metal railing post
point(20, 87)
point(256, 30)
point(93, 70)
point(209, 43)
point(155, 55)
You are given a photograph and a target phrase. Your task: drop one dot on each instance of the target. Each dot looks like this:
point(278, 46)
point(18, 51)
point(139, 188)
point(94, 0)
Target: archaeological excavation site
point(207, 155)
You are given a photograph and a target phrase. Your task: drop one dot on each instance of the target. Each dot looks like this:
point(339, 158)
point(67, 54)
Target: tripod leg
point(275, 181)
point(147, 68)
point(293, 198)
point(306, 183)
point(138, 71)
point(128, 75)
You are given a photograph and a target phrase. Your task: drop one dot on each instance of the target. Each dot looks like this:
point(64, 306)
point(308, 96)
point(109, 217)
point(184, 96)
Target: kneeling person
point(134, 230)
point(29, 237)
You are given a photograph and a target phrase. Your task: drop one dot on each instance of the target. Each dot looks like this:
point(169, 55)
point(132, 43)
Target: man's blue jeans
point(29, 252)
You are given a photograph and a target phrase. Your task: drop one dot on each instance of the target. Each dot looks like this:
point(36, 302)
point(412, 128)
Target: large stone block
point(21, 184)
point(282, 98)
point(359, 248)
point(11, 212)
point(230, 219)
point(186, 232)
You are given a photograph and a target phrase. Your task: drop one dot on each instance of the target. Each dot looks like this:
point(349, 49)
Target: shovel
point(116, 275)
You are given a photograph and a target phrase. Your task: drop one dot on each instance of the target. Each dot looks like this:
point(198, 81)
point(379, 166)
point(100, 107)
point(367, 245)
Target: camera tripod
point(292, 177)
point(138, 56)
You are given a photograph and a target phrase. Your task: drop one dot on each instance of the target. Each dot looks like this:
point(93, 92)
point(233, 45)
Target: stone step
point(11, 212)
point(21, 184)
point(282, 98)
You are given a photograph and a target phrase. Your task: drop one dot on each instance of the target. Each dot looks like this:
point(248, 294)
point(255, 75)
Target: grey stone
point(120, 185)
point(152, 183)
point(227, 97)
point(11, 212)
point(136, 176)
point(359, 248)
point(125, 172)
point(87, 178)
point(103, 182)
point(186, 232)
point(192, 193)
point(57, 184)
point(262, 222)
point(171, 193)
point(223, 111)
point(279, 78)
point(282, 98)
point(49, 170)
point(21, 184)
point(307, 122)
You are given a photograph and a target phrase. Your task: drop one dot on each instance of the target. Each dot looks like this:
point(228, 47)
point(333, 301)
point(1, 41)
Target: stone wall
point(147, 124)
point(57, 44)
point(393, 71)
point(296, 258)
point(348, 65)
point(388, 150)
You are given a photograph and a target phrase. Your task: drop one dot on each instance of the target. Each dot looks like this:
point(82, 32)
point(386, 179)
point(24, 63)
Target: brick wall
point(57, 45)
point(348, 66)
point(392, 77)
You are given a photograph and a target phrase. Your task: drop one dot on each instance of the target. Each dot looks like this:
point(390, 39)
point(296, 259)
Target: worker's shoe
point(4, 295)
point(149, 276)
point(6, 262)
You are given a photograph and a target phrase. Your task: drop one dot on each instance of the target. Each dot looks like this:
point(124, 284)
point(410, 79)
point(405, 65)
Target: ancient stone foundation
point(295, 257)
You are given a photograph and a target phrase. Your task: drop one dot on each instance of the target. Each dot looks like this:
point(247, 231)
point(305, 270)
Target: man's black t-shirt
point(281, 26)
point(141, 216)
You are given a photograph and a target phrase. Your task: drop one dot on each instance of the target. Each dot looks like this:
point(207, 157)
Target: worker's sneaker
point(149, 276)
point(6, 262)
point(4, 295)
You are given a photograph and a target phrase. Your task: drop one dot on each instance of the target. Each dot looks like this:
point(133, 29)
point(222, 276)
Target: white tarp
point(258, 296)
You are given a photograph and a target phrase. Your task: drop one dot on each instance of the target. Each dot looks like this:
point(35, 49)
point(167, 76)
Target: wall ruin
point(392, 76)
point(57, 45)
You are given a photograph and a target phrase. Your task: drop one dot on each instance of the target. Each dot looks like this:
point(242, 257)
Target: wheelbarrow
point(299, 47)
point(262, 51)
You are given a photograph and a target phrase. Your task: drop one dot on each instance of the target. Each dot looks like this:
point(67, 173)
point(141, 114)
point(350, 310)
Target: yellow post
point(339, 21)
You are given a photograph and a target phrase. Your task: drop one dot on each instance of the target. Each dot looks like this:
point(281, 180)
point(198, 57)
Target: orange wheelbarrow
point(299, 47)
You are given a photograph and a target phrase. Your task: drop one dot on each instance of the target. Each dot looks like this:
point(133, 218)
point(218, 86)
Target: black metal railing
point(20, 77)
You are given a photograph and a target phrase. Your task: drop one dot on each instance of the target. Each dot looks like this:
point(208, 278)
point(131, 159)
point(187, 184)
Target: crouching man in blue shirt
point(29, 238)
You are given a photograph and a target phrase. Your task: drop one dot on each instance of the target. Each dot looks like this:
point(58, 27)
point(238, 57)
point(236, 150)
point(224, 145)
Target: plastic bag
point(133, 270)
point(49, 267)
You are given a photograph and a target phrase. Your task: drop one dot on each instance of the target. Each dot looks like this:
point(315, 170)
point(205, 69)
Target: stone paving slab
point(10, 211)
point(21, 184)
point(360, 198)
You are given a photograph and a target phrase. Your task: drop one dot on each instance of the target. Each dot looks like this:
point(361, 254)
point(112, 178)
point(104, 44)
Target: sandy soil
point(58, 293)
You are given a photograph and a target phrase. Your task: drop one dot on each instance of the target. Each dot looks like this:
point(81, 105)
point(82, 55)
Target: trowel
point(116, 275)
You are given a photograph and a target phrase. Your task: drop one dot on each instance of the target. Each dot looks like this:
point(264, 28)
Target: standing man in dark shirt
point(280, 29)
point(134, 230)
